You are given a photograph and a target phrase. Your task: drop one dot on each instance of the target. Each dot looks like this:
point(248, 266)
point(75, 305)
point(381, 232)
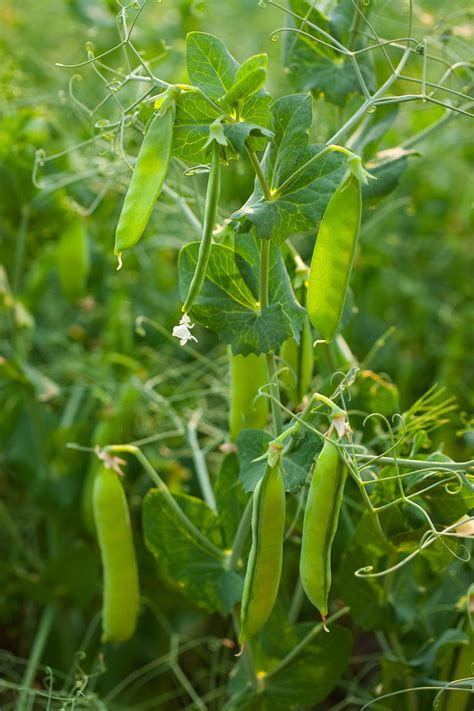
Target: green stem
point(416, 463)
point(275, 391)
point(182, 678)
point(298, 648)
point(39, 643)
point(354, 31)
point(264, 272)
point(195, 532)
point(270, 357)
point(200, 463)
point(205, 247)
point(259, 173)
point(271, 364)
point(20, 248)
point(373, 514)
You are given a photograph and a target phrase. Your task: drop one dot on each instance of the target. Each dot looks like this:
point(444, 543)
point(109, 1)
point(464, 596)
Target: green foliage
point(202, 577)
point(226, 86)
point(87, 355)
point(301, 205)
point(314, 62)
point(228, 302)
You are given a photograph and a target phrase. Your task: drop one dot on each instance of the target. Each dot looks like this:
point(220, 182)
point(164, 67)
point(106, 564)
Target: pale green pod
point(147, 180)
point(263, 574)
point(120, 573)
point(333, 255)
point(73, 262)
point(247, 409)
point(320, 524)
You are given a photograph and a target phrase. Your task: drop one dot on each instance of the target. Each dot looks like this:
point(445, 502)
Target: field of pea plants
point(236, 355)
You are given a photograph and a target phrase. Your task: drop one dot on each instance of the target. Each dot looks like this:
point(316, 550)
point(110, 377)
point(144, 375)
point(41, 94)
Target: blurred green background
point(79, 372)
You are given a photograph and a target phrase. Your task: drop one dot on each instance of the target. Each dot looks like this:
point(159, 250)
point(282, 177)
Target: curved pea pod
point(299, 361)
point(147, 180)
point(72, 258)
point(120, 574)
point(333, 255)
point(263, 574)
point(247, 375)
point(320, 524)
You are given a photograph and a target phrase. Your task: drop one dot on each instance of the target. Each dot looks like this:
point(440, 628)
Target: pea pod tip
point(241, 650)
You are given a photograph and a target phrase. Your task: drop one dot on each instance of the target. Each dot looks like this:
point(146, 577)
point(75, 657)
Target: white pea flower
point(183, 331)
point(341, 425)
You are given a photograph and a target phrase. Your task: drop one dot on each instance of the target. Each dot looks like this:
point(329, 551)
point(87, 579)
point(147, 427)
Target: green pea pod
point(319, 526)
point(210, 211)
point(72, 258)
point(121, 591)
point(247, 375)
point(147, 180)
point(333, 256)
point(266, 554)
point(299, 359)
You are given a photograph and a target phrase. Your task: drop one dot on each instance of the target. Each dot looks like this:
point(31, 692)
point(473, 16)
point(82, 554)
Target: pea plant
point(322, 502)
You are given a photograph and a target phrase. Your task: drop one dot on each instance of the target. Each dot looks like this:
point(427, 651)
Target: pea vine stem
point(200, 461)
point(264, 274)
point(417, 463)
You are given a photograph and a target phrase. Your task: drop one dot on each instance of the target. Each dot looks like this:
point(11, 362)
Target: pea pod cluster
point(263, 574)
point(333, 255)
point(247, 375)
point(147, 178)
point(320, 524)
point(121, 589)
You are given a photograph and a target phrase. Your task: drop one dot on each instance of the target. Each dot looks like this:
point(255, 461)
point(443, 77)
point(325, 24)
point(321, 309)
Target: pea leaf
point(191, 130)
point(257, 61)
point(210, 65)
point(228, 302)
point(247, 86)
point(224, 81)
point(326, 77)
point(447, 505)
point(316, 65)
point(249, 79)
point(230, 497)
point(252, 444)
point(306, 681)
point(302, 204)
point(194, 116)
point(200, 576)
point(365, 596)
point(388, 168)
